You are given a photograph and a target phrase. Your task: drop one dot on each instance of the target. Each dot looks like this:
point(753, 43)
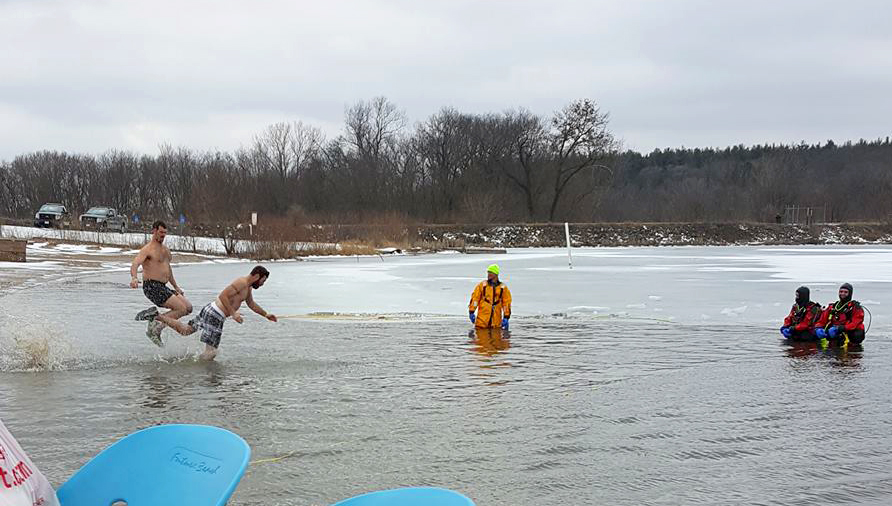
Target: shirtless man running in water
point(211, 317)
point(156, 273)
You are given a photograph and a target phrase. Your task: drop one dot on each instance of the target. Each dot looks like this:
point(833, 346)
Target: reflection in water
point(568, 410)
point(158, 390)
point(848, 356)
point(167, 382)
point(490, 342)
point(214, 377)
point(487, 344)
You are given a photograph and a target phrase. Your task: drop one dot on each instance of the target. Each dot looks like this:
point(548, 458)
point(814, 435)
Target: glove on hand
point(472, 316)
point(505, 323)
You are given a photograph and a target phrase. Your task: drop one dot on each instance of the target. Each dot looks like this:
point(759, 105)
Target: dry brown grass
point(349, 248)
point(288, 237)
point(277, 250)
point(294, 236)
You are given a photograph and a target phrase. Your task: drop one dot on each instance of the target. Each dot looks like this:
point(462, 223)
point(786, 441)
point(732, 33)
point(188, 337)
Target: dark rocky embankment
point(657, 234)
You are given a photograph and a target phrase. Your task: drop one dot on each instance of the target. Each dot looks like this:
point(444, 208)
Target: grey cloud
point(685, 72)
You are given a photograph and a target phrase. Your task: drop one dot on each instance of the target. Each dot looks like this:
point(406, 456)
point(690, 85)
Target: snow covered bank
point(188, 244)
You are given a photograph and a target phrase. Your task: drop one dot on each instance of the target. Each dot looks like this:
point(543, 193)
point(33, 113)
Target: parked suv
point(103, 218)
point(52, 215)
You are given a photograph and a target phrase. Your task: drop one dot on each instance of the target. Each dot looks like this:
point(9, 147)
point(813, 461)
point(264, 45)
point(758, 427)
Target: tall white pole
point(567, 233)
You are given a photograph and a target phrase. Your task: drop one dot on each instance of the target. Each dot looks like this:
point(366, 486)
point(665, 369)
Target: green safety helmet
point(494, 268)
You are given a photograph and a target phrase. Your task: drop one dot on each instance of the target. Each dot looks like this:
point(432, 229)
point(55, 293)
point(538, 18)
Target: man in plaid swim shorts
point(211, 317)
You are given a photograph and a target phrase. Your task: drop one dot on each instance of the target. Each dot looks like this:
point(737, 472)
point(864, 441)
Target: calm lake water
point(642, 376)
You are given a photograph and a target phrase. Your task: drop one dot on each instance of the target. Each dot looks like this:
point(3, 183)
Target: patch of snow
point(46, 265)
point(189, 244)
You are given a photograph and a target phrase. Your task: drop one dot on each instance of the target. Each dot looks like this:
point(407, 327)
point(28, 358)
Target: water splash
point(31, 347)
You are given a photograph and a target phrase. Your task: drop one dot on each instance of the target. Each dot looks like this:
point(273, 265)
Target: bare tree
point(118, 181)
point(521, 141)
point(306, 147)
point(579, 140)
point(445, 148)
point(371, 151)
point(371, 127)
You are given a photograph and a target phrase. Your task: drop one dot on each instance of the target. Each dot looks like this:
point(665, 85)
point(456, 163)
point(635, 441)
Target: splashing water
point(42, 347)
point(32, 347)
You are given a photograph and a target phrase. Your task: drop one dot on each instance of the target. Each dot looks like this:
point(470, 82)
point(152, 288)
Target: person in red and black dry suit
point(800, 323)
point(843, 319)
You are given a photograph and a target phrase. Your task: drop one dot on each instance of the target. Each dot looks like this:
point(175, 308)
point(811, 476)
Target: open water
point(641, 376)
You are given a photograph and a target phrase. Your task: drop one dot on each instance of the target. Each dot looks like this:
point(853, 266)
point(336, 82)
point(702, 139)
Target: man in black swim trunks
point(156, 273)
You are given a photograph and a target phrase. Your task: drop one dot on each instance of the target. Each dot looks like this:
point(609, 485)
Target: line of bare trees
point(513, 166)
point(452, 167)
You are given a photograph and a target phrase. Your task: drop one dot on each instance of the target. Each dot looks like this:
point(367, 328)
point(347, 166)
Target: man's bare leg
point(179, 307)
point(177, 325)
point(209, 353)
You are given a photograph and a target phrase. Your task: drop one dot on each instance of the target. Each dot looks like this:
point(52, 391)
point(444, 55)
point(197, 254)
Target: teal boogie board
point(413, 496)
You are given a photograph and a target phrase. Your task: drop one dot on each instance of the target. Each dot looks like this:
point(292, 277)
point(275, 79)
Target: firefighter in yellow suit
point(490, 305)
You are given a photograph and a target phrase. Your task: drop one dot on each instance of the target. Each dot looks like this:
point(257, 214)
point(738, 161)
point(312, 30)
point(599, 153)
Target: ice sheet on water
point(734, 311)
point(541, 283)
point(592, 309)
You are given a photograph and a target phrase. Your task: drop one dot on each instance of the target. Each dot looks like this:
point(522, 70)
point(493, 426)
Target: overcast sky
point(87, 75)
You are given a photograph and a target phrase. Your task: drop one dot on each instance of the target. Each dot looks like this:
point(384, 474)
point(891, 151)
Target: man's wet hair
point(157, 224)
point(260, 270)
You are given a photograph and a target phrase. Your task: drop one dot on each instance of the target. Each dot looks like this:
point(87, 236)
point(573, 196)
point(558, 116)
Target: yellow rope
point(274, 459)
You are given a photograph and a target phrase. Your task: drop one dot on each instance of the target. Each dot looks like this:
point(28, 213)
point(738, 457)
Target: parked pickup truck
point(52, 215)
point(103, 218)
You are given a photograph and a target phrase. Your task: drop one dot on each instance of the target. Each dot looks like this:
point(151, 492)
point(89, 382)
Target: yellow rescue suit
point(492, 303)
